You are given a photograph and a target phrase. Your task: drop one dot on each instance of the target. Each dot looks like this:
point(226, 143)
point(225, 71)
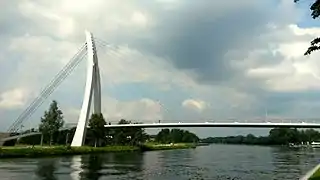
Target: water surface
point(209, 162)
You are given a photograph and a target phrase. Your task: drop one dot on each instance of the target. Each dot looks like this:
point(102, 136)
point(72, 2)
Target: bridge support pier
point(92, 93)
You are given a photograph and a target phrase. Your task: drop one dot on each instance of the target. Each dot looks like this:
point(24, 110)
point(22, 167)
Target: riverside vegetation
point(99, 139)
point(277, 136)
point(314, 46)
point(53, 141)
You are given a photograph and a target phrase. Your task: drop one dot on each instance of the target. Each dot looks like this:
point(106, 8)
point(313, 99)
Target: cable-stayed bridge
point(92, 99)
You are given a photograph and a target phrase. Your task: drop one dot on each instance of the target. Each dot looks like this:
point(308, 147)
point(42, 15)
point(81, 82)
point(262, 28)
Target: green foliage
point(277, 136)
point(52, 120)
point(315, 176)
point(315, 13)
point(114, 136)
point(41, 151)
point(176, 136)
point(127, 135)
point(97, 128)
point(31, 140)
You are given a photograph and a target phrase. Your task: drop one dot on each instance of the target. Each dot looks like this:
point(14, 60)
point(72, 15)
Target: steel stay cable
point(66, 68)
point(41, 99)
point(38, 98)
point(44, 95)
point(52, 85)
point(59, 74)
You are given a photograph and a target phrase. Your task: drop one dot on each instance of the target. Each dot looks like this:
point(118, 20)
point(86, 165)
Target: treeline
point(176, 136)
point(97, 135)
point(277, 136)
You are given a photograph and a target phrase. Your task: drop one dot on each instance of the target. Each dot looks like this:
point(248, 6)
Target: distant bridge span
point(69, 126)
point(213, 124)
point(207, 124)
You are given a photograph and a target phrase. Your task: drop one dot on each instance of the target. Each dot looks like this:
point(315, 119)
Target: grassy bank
point(155, 146)
point(40, 151)
point(315, 175)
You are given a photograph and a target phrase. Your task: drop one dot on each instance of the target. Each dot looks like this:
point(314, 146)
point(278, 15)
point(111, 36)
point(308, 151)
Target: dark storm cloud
point(289, 104)
point(195, 37)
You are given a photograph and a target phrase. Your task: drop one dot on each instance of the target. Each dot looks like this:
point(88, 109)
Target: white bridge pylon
point(92, 94)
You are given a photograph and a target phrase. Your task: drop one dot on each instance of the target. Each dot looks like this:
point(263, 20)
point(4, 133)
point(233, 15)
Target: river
point(214, 162)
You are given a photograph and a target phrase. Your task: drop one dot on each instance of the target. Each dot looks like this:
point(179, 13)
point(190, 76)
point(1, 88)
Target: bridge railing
point(230, 120)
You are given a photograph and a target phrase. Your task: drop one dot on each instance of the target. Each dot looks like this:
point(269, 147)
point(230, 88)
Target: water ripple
point(216, 162)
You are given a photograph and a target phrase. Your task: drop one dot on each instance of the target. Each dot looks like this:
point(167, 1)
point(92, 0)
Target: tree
point(97, 124)
point(127, 135)
point(176, 136)
point(277, 136)
point(52, 121)
point(315, 13)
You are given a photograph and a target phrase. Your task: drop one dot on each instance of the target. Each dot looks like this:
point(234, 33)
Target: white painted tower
point(92, 94)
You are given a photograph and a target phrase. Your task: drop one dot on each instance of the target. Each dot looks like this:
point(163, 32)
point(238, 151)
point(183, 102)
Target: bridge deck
point(209, 124)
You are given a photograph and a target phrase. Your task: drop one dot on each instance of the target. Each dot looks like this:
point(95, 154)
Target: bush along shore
point(44, 151)
point(40, 151)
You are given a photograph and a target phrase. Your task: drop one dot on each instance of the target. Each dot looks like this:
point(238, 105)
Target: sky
point(174, 60)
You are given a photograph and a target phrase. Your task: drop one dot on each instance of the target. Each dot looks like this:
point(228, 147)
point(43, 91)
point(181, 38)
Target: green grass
point(40, 151)
point(315, 176)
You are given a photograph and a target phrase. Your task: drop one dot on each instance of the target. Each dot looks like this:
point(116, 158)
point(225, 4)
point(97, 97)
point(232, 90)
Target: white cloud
point(137, 110)
point(139, 18)
point(12, 99)
point(145, 110)
point(195, 104)
point(294, 72)
point(53, 30)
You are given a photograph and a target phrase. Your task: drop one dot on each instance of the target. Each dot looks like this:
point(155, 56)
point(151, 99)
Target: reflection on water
point(46, 169)
point(212, 162)
point(93, 167)
point(76, 167)
point(299, 161)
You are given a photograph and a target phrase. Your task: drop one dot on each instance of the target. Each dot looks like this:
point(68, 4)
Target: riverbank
point(41, 151)
point(156, 146)
point(313, 174)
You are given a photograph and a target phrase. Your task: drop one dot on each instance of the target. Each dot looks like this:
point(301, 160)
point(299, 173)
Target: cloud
point(293, 72)
point(15, 98)
point(142, 110)
point(144, 67)
point(197, 105)
point(241, 57)
point(145, 110)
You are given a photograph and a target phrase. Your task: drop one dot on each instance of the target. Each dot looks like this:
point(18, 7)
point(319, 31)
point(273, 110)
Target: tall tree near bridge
point(51, 121)
point(315, 13)
point(97, 128)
